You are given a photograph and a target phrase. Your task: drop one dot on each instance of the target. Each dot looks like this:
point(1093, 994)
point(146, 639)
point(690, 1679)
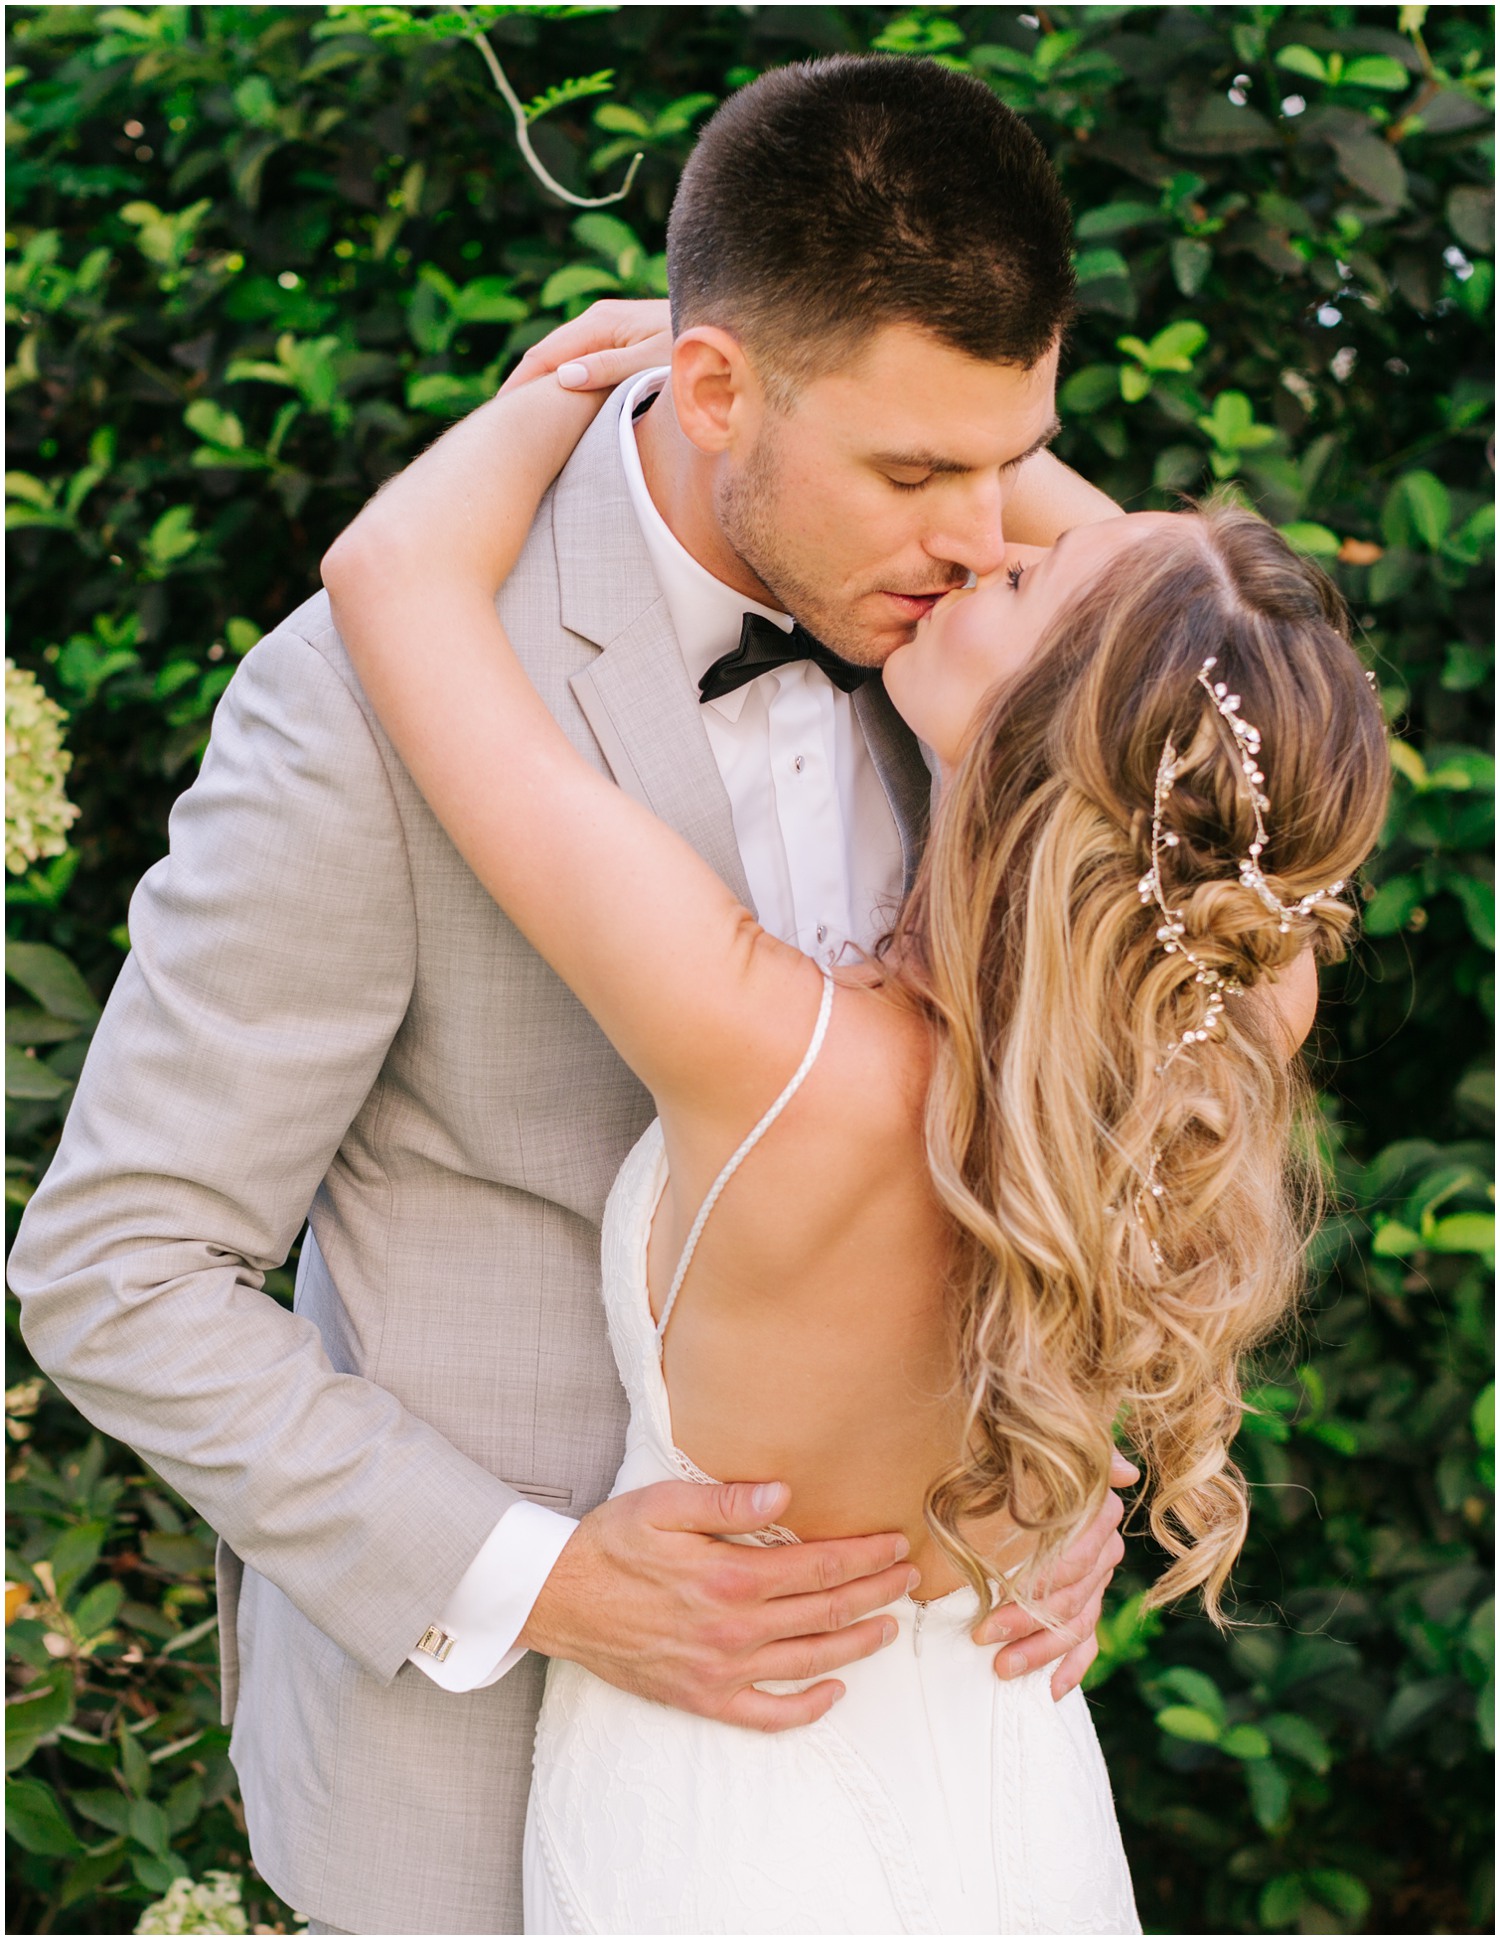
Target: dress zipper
point(916, 1629)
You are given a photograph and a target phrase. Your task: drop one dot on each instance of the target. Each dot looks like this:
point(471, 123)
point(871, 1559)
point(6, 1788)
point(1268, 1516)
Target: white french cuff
point(472, 1642)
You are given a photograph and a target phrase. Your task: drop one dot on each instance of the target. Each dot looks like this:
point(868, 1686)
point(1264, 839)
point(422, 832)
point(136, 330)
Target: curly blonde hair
point(1085, 1304)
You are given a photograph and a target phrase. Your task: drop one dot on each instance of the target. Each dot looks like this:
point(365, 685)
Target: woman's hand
point(611, 341)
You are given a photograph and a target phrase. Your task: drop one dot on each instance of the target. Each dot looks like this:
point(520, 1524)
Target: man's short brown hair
point(832, 197)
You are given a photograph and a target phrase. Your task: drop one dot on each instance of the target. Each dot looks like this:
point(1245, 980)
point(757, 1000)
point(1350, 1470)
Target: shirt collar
point(706, 614)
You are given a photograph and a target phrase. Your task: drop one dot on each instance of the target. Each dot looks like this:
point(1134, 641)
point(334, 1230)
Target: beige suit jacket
point(324, 1010)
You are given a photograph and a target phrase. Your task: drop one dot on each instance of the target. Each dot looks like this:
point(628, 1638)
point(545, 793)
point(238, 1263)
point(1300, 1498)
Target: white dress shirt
point(822, 856)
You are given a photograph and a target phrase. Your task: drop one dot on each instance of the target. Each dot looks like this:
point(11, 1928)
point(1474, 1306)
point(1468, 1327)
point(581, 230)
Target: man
point(870, 272)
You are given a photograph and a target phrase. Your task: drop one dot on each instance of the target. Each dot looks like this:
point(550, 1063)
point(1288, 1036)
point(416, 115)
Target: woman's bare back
point(811, 1342)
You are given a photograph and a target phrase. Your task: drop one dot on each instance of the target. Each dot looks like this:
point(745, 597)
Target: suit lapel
point(636, 696)
point(903, 772)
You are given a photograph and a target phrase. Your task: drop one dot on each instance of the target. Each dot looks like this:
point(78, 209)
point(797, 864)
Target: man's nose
point(971, 530)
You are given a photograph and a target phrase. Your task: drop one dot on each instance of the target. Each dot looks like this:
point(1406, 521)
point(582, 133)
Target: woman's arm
point(703, 1005)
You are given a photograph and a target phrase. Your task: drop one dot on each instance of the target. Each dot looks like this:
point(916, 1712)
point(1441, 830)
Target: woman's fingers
point(611, 341)
point(1070, 1672)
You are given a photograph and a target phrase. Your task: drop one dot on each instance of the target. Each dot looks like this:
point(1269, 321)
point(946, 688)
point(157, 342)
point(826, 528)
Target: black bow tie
point(764, 647)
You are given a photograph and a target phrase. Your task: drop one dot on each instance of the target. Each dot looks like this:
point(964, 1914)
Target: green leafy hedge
point(257, 255)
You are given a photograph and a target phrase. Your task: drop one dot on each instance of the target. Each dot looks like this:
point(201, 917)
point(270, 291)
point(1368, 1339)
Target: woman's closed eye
point(1014, 574)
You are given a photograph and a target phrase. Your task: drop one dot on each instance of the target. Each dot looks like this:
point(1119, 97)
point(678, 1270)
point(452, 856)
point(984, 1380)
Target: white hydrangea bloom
point(38, 814)
point(209, 1905)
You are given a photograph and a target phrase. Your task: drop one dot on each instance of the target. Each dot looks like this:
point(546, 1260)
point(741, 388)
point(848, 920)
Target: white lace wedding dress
point(932, 1799)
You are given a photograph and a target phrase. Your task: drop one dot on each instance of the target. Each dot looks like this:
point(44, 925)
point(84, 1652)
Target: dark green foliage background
point(258, 254)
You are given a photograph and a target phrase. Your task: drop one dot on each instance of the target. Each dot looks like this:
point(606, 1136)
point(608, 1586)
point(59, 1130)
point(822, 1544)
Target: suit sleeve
point(273, 956)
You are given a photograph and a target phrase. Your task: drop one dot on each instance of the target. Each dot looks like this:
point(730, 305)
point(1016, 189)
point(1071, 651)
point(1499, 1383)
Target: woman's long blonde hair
point(1084, 1302)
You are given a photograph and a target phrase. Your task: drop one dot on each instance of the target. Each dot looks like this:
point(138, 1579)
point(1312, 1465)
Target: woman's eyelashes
point(1013, 575)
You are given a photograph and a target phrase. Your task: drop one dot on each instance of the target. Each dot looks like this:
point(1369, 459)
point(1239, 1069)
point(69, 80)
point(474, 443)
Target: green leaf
point(1270, 1793)
point(1245, 1741)
point(1393, 1241)
point(575, 280)
point(1348, 1896)
point(1191, 261)
point(27, 1077)
point(1478, 900)
point(1375, 71)
point(1135, 383)
point(606, 235)
point(563, 92)
point(1197, 1690)
point(36, 1713)
point(1186, 1721)
point(1393, 904)
point(1297, 59)
point(1417, 505)
point(48, 976)
point(214, 424)
point(75, 1553)
point(98, 1609)
point(1175, 347)
point(104, 1806)
point(1464, 1232)
point(1089, 389)
point(489, 299)
point(1300, 1738)
point(1114, 218)
point(1315, 540)
point(1101, 266)
point(1482, 1419)
point(35, 1819)
point(1281, 1902)
point(135, 1767)
point(148, 1827)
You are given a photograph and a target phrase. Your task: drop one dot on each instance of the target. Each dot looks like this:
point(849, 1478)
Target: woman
point(951, 1215)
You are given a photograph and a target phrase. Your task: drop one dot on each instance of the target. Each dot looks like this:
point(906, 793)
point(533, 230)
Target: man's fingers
point(824, 1610)
point(1122, 1473)
point(816, 1656)
point(763, 1711)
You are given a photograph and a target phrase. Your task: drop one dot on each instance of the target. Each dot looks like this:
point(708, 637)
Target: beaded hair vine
point(1172, 930)
point(1219, 987)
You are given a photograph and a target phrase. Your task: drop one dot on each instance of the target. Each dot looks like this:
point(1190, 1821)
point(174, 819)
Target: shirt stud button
point(799, 762)
point(822, 932)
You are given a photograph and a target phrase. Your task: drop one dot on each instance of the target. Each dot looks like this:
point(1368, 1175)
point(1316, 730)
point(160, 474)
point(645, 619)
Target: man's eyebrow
point(919, 460)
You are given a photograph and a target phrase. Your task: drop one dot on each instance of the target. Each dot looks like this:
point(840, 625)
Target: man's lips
point(915, 606)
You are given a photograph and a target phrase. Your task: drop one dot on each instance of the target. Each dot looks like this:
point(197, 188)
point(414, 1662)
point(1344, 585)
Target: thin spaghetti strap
point(737, 1159)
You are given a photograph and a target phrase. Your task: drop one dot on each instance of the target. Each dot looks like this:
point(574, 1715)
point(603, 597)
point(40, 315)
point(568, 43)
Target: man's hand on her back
point(1074, 1599)
point(646, 1598)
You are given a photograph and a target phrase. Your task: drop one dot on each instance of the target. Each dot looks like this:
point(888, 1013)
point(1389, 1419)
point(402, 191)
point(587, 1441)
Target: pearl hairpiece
point(1172, 929)
point(1219, 987)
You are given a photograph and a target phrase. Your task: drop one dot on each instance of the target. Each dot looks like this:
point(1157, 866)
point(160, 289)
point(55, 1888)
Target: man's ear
point(717, 396)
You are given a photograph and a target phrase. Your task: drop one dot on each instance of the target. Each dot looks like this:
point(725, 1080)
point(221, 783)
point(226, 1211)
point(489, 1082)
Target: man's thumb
point(734, 1508)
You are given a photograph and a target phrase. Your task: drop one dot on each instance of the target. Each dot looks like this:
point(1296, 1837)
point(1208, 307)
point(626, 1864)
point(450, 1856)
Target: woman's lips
point(914, 606)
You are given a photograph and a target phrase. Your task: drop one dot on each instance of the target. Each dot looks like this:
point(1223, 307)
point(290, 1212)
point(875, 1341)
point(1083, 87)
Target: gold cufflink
point(434, 1642)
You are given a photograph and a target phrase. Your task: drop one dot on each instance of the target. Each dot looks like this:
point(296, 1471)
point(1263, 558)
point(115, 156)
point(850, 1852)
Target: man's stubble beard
point(746, 504)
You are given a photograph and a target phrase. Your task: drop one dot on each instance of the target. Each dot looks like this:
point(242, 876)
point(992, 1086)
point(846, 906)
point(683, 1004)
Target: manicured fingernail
point(999, 1631)
point(765, 1496)
point(913, 1578)
point(1012, 1665)
point(572, 377)
point(903, 1548)
point(888, 1632)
